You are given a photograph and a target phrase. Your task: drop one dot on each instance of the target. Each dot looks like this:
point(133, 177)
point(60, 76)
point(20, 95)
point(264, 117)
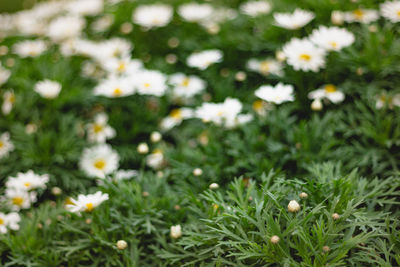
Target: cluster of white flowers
point(20, 194)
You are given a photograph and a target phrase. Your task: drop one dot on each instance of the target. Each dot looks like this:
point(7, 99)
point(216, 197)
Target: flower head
point(157, 15)
point(9, 221)
point(332, 38)
point(278, 94)
point(86, 203)
point(391, 10)
point(202, 60)
point(30, 48)
point(99, 131)
point(255, 8)
point(6, 146)
point(28, 181)
point(48, 89)
point(294, 20)
point(99, 161)
point(303, 55)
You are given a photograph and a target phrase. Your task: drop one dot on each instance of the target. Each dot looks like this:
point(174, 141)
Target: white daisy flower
point(186, 86)
point(19, 198)
point(194, 12)
point(265, 67)
point(28, 181)
point(86, 203)
point(295, 20)
point(151, 82)
point(6, 146)
point(4, 75)
point(48, 89)
point(99, 161)
point(10, 220)
point(99, 131)
point(85, 8)
point(115, 87)
point(224, 114)
point(276, 94)
point(8, 103)
point(149, 16)
point(155, 160)
point(332, 39)
point(255, 8)
point(103, 23)
point(202, 60)
point(391, 10)
point(390, 101)
point(65, 27)
point(303, 55)
point(365, 16)
point(113, 48)
point(125, 174)
point(30, 48)
point(122, 66)
point(176, 117)
point(329, 92)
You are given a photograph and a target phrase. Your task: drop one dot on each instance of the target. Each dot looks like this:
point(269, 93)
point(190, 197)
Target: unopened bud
point(214, 186)
point(335, 216)
point(197, 172)
point(303, 195)
point(293, 206)
point(143, 148)
point(275, 239)
point(316, 105)
point(121, 244)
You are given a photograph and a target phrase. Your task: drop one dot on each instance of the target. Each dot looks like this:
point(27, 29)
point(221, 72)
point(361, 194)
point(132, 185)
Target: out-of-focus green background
point(14, 5)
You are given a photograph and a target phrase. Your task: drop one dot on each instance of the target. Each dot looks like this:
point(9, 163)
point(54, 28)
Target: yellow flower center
point(27, 184)
point(257, 105)
point(89, 207)
point(333, 44)
point(147, 85)
point(264, 67)
point(99, 164)
point(305, 57)
point(220, 113)
point(117, 92)
point(157, 151)
point(11, 98)
point(1, 221)
point(330, 88)
point(1, 144)
point(185, 82)
point(176, 113)
point(121, 67)
point(97, 128)
point(68, 201)
point(398, 13)
point(17, 201)
point(358, 13)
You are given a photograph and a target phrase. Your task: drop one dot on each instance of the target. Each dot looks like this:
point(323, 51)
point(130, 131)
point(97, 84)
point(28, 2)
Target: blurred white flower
point(9, 221)
point(30, 48)
point(99, 131)
point(85, 7)
point(329, 92)
point(390, 101)
point(202, 60)
point(125, 174)
point(365, 16)
point(255, 8)
point(155, 160)
point(86, 203)
point(6, 146)
point(48, 89)
point(266, 66)
point(65, 27)
point(295, 20)
point(391, 10)
point(276, 94)
point(224, 114)
point(176, 117)
point(122, 66)
point(8, 102)
point(28, 181)
point(194, 12)
point(115, 87)
point(4, 75)
point(303, 55)
point(149, 16)
point(332, 38)
point(20, 198)
point(186, 86)
point(151, 82)
point(99, 161)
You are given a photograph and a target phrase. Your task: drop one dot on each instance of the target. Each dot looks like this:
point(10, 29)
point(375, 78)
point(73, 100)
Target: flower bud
point(337, 17)
point(197, 172)
point(275, 239)
point(176, 231)
point(155, 137)
point(214, 186)
point(326, 249)
point(56, 191)
point(293, 206)
point(316, 105)
point(335, 216)
point(303, 195)
point(143, 148)
point(121, 244)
